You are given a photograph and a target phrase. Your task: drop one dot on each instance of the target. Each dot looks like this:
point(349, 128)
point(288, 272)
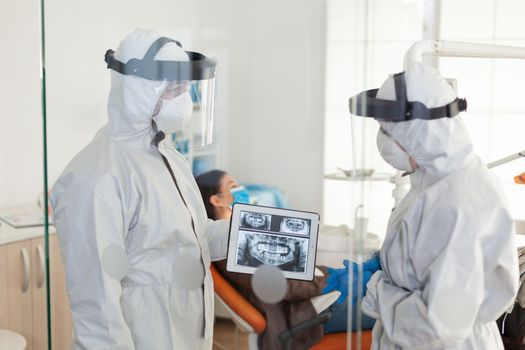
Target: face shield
point(193, 78)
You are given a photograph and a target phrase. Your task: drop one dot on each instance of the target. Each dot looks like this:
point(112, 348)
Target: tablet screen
point(274, 239)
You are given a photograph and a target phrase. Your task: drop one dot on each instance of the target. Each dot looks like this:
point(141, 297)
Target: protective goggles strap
point(366, 104)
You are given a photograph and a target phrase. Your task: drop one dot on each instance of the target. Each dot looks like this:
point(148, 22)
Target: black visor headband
point(366, 104)
point(199, 67)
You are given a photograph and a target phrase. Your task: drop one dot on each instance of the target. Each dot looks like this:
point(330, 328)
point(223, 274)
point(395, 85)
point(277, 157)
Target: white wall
point(276, 134)
point(21, 151)
point(270, 86)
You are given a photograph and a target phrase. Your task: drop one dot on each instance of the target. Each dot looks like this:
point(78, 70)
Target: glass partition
point(127, 209)
point(24, 273)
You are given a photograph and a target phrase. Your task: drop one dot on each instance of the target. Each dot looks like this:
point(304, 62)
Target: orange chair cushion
point(237, 302)
point(337, 341)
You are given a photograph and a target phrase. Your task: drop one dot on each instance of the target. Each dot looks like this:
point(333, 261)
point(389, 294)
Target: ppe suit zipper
point(165, 160)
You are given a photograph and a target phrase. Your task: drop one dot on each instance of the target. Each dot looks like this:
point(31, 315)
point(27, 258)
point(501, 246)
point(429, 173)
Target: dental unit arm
point(519, 179)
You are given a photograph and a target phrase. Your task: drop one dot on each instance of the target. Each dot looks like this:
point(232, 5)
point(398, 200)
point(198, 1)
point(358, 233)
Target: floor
point(225, 334)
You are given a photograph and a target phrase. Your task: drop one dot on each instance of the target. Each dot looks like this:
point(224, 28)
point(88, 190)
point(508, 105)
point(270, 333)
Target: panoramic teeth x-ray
point(295, 225)
point(287, 253)
point(255, 220)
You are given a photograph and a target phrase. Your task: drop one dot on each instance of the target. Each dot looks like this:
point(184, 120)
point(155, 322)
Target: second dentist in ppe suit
point(449, 264)
point(133, 230)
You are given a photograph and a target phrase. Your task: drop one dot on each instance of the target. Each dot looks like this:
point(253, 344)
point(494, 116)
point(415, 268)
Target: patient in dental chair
point(219, 190)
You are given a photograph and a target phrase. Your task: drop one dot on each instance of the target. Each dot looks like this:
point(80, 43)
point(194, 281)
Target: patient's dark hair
point(209, 184)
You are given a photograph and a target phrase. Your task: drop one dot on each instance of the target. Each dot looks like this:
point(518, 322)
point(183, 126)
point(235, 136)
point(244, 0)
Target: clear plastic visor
point(203, 97)
point(202, 92)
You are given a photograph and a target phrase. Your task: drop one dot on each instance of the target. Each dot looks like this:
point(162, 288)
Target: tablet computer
point(283, 238)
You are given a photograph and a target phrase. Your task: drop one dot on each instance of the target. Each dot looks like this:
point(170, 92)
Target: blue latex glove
point(373, 264)
point(367, 274)
point(338, 278)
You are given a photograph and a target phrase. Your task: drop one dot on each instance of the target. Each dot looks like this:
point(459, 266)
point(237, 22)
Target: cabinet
point(20, 292)
point(3, 288)
point(39, 292)
point(61, 320)
point(23, 306)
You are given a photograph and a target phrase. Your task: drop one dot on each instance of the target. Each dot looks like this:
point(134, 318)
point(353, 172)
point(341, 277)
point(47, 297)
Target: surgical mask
point(392, 153)
point(174, 114)
point(240, 195)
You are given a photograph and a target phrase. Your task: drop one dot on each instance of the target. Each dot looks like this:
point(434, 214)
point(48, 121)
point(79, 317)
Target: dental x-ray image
point(287, 253)
point(256, 221)
point(295, 225)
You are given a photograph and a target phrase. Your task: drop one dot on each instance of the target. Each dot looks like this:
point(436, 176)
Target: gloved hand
point(338, 278)
point(373, 264)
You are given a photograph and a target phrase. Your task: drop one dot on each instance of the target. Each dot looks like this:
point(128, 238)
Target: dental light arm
point(506, 159)
point(441, 48)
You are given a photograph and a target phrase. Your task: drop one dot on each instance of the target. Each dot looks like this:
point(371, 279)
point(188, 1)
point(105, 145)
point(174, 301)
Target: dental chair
point(248, 319)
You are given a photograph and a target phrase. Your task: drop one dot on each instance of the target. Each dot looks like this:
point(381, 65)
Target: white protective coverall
point(116, 204)
point(449, 261)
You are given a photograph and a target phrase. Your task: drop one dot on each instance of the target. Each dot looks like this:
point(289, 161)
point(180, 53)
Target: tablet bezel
point(233, 238)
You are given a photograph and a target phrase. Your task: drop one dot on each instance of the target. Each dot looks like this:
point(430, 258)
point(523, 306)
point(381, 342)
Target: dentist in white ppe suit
point(449, 264)
point(133, 230)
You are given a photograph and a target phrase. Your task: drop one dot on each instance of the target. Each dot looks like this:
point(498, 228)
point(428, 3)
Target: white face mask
point(174, 114)
point(392, 153)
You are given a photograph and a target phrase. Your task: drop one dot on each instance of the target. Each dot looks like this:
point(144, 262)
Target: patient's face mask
point(237, 194)
point(392, 153)
point(240, 195)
